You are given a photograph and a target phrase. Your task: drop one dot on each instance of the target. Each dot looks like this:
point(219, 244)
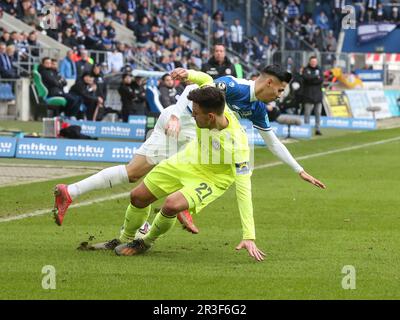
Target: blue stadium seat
point(6, 93)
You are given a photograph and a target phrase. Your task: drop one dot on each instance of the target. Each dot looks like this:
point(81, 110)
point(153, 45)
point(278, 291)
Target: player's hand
point(173, 127)
point(252, 249)
point(180, 74)
point(309, 178)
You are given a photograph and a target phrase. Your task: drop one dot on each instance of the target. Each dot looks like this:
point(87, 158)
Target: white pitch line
point(320, 154)
point(81, 204)
point(268, 165)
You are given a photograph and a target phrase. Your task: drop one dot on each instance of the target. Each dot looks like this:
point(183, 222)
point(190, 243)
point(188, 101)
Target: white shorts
point(158, 146)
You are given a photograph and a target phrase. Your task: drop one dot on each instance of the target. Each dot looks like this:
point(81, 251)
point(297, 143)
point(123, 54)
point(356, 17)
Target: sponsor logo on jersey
point(221, 86)
point(216, 144)
point(242, 168)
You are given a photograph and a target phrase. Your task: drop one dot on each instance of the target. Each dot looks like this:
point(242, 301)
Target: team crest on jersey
point(242, 168)
point(221, 86)
point(216, 144)
point(231, 84)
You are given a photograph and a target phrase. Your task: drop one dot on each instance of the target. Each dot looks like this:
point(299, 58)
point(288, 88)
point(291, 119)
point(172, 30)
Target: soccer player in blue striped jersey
point(247, 99)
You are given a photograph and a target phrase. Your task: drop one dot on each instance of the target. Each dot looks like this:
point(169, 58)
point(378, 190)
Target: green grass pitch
point(308, 234)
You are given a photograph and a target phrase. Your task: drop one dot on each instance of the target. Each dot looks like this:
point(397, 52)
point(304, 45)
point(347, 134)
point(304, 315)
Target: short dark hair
point(164, 76)
point(45, 58)
point(210, 99)
point(312, 57)
point(277, 71)
point(126, 75)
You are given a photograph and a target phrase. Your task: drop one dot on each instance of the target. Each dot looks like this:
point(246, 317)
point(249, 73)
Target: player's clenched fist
point(179, 74)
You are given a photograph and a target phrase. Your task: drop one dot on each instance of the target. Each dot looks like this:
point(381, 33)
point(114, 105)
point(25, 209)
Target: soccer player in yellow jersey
point(198, 175)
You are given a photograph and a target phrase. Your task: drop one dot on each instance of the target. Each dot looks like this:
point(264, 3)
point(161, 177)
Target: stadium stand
point(161, 35)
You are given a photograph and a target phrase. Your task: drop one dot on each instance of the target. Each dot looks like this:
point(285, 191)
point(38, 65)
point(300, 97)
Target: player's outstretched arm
point(309, 178)
point(252, 249)
point(279, 150)
point(197, 77)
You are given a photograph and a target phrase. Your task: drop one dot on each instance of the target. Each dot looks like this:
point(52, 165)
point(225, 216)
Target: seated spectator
point(31, 18)
point(87, 91)
point(218, 29)
point(55, 84)
point(7, 69)
point(68, 67)
point(322, 21)
point(168, 91)
point(237, 36)
point(131, 22)
point(69, 38)
point(9, 7)
point(115, 61)
point(142, 31)
point(127, 6)
point(6, 37)
point(330, 41)
point(32, 41)
point(292, 10)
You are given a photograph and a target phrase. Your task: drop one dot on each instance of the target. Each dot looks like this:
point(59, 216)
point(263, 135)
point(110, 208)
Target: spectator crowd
point(84, 25)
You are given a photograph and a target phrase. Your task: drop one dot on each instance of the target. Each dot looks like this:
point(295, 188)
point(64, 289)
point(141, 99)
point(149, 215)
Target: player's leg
point(308, 107)
point(163, 222)
point(104, 179)
point(160, 182)
point(317, 112)
point(196, 194)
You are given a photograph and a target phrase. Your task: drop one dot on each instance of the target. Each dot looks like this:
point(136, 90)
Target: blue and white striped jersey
point(241, 98)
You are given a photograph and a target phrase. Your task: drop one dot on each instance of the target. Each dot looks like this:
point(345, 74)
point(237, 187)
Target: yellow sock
point(161, 225)
point(134, 218)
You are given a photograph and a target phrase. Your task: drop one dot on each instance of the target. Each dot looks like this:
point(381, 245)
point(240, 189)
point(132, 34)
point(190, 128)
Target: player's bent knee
point(172, 207)
point(138, 200)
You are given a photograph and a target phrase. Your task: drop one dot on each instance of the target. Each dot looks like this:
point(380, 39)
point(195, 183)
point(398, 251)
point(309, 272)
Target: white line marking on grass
point(268, 165)
point(80, 204)
point(320, 154)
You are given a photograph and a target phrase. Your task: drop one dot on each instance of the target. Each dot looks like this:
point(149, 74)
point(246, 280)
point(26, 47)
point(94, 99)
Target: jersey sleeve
point(245, 205)
point(199, 78)
point(260, 117)
point(242, 171)
point(228, 85)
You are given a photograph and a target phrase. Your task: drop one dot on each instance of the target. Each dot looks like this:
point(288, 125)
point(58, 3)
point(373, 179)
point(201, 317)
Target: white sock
point(104, 179)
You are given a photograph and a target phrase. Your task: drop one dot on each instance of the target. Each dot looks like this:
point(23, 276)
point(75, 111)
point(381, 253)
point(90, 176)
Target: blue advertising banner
point(374, 31)
point(301, 132)
point(138, 120)
point(370, 75)
point(7, 147)
point(345, 123)
point(120, 130)
point(82, 150)
point(393, 98)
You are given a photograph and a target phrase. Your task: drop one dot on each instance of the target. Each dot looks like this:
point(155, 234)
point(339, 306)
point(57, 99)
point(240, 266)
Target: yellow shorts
point(198, 189)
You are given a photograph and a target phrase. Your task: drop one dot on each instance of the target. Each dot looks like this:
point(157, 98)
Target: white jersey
point(159, 146)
